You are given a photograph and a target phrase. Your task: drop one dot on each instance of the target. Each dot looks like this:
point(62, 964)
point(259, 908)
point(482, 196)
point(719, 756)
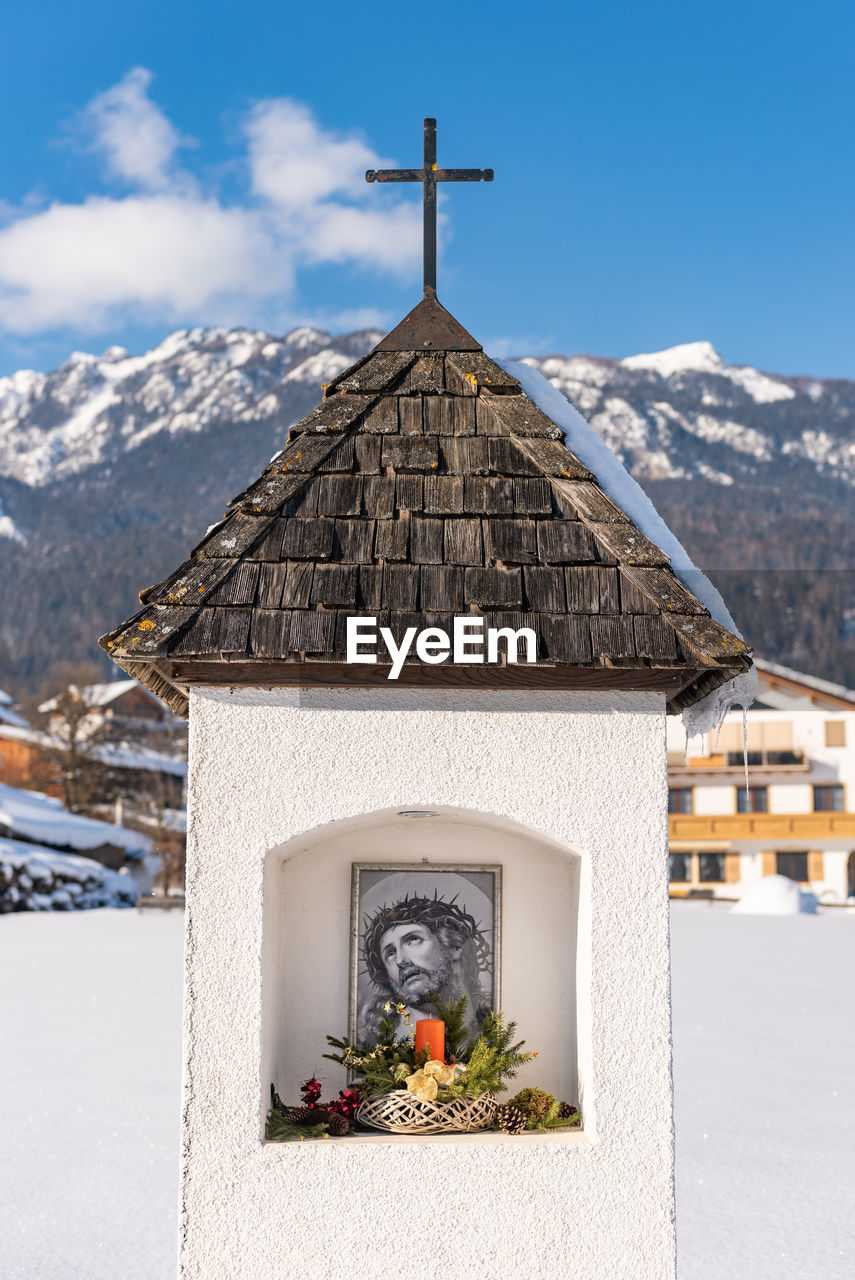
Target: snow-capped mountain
point(672, 414)
point(94, 408)
point(111, 465)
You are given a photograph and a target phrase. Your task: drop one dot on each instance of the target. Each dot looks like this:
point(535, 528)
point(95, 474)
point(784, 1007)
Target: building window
point(767, 759)
point(828, 799)
point(680, 867)
point(792, 865)
point(679, 799)
point(754, 800)
point(711, 867)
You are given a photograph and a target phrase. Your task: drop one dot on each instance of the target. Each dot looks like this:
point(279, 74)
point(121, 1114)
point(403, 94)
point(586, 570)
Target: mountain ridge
point(112, 466)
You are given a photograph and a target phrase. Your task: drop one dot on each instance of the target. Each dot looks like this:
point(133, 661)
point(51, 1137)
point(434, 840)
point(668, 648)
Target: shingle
point(443, 494)
point(270, 546)
point(463, 541)
point(409, 492)
point(354, 541)
point(334, 585)
point(382, 418)
point(592, 590)
point(500, 414)
point(544, 589)
point(442, 588)
point(488, 495)
point(410, 415)
point(400, 586)
point(494, 588)
point(427, 374)
point(378, 496)
point(369, 593)
point(239, 587)
point(426, 539)
point(664, 588)
point(533, 497)
point(296, 589)
point(366, 449)
point(271, 580)
point(393, 538)
point(512, 540)
point(340, 495)
point(567, 639)
point(376, 372)
point(307, 540)
point(629, 546)
point(563, 542)
point(269, 633)
point(507, 458)
point(612, 637)
point(410, 453)
point(311, 631)
point(654, 638)
point(468, 368)
point(335, 414)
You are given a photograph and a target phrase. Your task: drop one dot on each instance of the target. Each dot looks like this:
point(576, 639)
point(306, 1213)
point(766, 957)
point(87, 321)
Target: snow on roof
point(810, 682)
point(121, 755)
point(44, 819)
point(613, 478)
point(117, 755)
point(100, 695)
point(11, 718)
point(5, 699)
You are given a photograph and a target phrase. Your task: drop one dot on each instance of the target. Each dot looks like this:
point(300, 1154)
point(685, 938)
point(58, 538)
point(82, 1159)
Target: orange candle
point(430, 1035)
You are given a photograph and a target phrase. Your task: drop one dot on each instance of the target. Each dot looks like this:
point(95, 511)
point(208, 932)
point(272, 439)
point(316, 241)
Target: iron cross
point(430, 176)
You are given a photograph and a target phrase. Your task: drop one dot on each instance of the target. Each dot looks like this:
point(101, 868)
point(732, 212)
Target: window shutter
point(730, 738)
point(777, 735)
point(835, 733)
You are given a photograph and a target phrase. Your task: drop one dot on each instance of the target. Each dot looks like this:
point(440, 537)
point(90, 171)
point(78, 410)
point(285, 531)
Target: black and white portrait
point(420, 929)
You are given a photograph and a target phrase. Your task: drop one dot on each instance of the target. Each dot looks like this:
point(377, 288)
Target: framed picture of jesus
point(418, 929)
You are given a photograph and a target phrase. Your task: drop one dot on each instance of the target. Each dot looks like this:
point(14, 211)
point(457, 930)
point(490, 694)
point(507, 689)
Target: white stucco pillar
point(274, 772)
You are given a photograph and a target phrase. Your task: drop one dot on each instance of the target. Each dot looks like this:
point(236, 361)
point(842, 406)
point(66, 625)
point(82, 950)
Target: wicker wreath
point(402, 1112)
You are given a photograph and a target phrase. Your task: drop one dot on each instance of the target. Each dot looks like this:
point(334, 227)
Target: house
point(797, 816)
point(121, 704)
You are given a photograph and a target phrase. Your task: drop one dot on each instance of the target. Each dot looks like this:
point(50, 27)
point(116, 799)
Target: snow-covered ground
point(764, 1061)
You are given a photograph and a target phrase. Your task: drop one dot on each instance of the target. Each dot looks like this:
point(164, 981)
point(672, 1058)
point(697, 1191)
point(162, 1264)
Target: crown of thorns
point(437, 913)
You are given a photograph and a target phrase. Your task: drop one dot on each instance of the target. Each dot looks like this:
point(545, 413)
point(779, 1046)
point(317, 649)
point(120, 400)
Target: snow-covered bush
point(37, 879)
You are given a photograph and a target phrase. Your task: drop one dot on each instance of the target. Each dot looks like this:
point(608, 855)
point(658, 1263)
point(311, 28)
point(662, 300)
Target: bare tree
point(74, 729)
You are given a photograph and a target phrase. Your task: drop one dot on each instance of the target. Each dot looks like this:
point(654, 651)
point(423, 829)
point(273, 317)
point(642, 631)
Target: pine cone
point(307, 1115)
point(566, 1110)
point(338, 1124)
point(510, 1119)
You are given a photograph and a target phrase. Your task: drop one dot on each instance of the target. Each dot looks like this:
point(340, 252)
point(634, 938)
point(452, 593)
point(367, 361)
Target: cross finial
point(430, 176)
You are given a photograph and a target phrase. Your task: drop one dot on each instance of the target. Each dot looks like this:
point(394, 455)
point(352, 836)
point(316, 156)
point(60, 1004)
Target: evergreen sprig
point(491, 1060)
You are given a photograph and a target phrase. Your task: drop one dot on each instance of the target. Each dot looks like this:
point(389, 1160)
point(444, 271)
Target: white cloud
point(137, 140)
point(170, 252)
point(165, 255)
point(293, 162)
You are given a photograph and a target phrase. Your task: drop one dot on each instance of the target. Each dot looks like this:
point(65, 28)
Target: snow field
point(764, 1056)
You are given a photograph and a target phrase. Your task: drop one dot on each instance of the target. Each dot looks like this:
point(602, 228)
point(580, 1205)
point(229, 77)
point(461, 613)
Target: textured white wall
point(584, 770)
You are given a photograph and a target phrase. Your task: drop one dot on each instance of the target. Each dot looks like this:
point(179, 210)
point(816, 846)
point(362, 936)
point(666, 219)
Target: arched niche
point(307, 929)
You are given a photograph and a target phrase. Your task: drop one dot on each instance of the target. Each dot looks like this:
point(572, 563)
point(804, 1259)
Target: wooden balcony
point(809, 827)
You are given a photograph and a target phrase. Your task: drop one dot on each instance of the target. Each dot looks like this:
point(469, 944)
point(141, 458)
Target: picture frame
point(417, 926)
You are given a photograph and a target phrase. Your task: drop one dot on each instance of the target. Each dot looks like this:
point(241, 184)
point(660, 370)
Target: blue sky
point(665, 172)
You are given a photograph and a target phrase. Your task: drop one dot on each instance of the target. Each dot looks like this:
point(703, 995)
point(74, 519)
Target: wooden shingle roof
point(425, 486)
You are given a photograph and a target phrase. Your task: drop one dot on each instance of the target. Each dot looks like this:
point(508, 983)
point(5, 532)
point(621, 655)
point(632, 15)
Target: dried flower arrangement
point(405, 1090)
